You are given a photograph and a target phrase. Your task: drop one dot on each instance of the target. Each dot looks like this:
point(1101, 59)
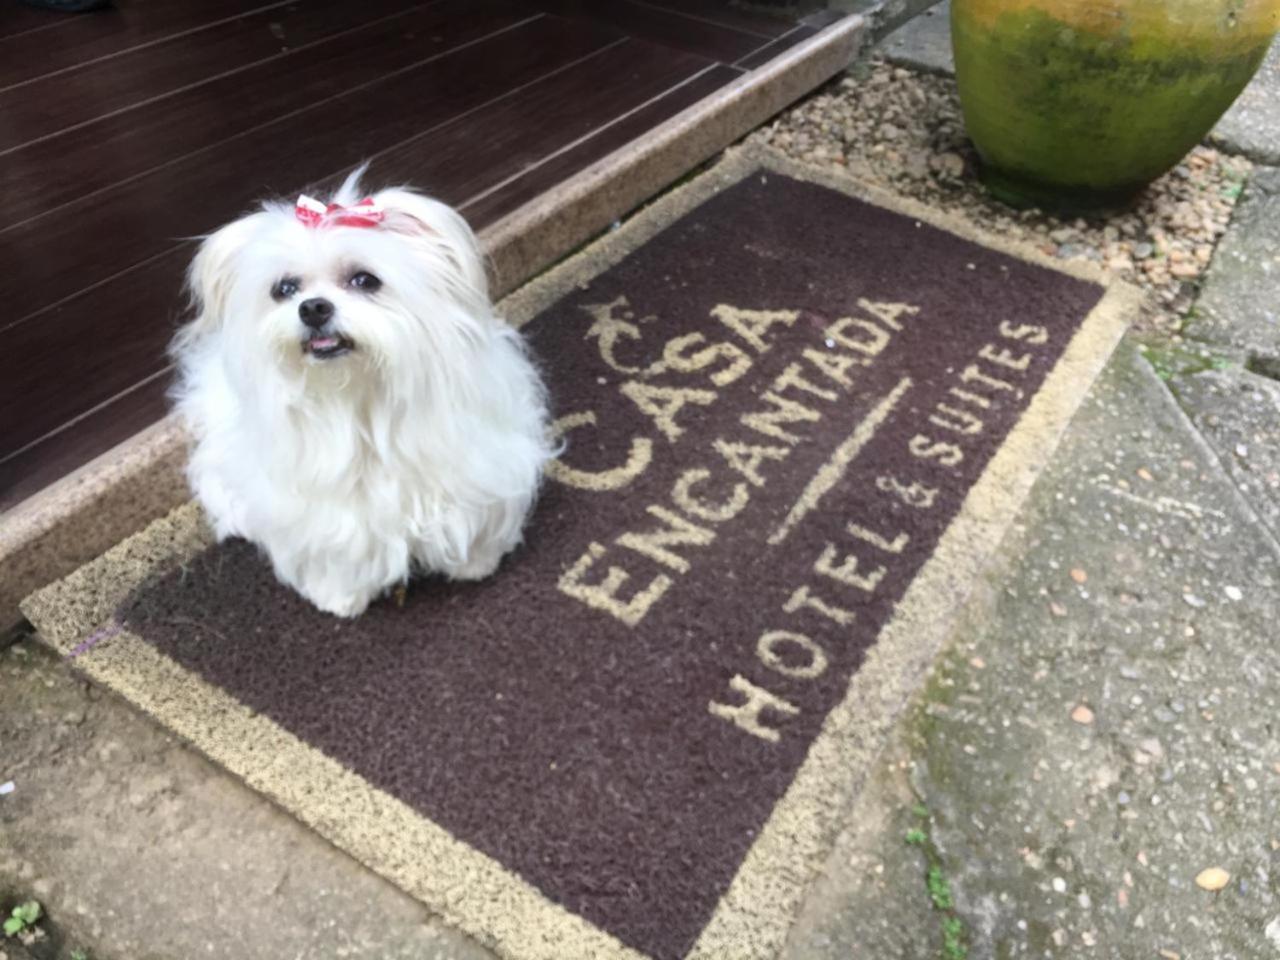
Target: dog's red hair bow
point(312, 213)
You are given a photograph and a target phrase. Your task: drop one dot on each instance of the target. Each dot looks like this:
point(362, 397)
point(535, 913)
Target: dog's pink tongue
point(323, 343)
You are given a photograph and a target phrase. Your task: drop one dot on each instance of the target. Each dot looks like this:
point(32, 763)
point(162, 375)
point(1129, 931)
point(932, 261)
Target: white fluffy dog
point(358, 410)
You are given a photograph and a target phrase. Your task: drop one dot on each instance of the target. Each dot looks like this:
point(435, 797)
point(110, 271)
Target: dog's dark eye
point(365, 281)
point(285, 288)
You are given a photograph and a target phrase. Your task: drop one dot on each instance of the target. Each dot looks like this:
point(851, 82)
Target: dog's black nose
point(315, 312)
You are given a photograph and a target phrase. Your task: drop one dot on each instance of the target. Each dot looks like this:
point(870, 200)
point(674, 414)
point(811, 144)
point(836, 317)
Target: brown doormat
point(798, 419)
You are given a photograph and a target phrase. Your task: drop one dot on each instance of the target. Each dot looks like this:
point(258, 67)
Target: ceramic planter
point(1075, 105)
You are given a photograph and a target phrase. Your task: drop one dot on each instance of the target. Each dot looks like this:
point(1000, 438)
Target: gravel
point(903, 130)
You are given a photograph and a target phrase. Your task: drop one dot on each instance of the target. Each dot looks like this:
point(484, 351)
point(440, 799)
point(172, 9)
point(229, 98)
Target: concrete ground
point(141, 849)
point(1100, 734)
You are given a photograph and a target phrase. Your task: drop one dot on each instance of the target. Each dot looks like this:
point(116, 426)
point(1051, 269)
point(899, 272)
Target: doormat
point(798, 418)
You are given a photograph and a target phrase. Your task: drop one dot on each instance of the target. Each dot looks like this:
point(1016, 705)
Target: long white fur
point(421, 450)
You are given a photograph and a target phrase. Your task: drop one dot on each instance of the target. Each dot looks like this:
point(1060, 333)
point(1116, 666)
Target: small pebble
point(1082, 715)
point(1234, 593)
point(1212, 879)
point(1272, 932)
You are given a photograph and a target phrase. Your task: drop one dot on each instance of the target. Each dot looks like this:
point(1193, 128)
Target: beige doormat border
point(468, 888)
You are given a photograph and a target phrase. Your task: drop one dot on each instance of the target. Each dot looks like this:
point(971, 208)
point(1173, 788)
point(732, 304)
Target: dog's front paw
point(477, 567)
point(339, 604)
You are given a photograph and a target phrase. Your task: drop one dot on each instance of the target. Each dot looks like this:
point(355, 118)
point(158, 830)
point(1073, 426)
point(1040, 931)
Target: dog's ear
point(441, 232)
point(210, 276)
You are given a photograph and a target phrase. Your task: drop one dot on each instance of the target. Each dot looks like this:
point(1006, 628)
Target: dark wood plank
point(452, 161)
point(726, 13)
point(770, 50)
point(482, 150)
point(101, 154)
point(17, 18)
point(100, 331)
point(67, 250)
point(564, 163)
point(72, 447)
point(665, 27)
point(88, 350)
point(48, 105)
point(125, 25)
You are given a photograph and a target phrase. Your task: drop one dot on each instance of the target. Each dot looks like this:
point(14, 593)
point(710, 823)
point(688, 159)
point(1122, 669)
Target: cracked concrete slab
point(923, 43)
point(1101, 730)
point(1252, 125)
point(884, 16)
point(140, 849)
point(1239, 307)
point(1239, 414)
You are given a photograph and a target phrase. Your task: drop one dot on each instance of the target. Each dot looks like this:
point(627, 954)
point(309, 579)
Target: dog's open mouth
point(326, 346)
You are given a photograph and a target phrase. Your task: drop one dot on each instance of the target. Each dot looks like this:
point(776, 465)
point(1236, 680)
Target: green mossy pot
point(1076, 105)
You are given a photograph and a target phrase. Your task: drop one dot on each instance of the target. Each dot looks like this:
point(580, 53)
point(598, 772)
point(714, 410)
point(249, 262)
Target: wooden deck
point(124, 133)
